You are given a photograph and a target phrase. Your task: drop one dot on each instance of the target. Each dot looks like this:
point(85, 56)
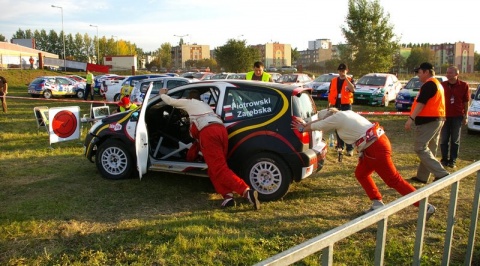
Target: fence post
point(473, 222)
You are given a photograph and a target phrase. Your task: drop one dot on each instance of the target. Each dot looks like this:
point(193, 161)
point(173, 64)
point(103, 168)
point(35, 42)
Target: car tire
point(114, 161)
point(80, 94)
point(267, 173)
point(47, 94)
point(116, 98)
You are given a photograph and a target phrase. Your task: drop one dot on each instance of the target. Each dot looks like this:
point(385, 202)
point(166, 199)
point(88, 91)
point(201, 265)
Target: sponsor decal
point(115, 126)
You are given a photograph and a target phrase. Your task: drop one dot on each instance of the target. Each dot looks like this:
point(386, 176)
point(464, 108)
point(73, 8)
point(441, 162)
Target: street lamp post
point(98, 45)
point(63, 33)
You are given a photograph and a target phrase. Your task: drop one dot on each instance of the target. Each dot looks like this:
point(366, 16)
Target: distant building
point(186, 52)
point(17, 56)
point(275, 54)
point(459, 54)
point(30, 43)
point(318, 53)
point(121, 62)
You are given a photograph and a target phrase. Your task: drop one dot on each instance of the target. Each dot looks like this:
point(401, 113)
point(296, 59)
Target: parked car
point(473, 124)
point(321, 85)
point(138, 93)
point(238, 76)
point(288, 69)
point(264, 150)
point(223, 75)
point(376, 89)
point(298, 79)
point(405, 96)
point(109, 82)
point(112, 94)
point(129, 82)
point(49, 86)
point(98, 81)
point(271, 69)
point(275, 76)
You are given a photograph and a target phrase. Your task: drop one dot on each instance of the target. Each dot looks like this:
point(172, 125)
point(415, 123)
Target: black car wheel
point(80, 94)
point(114, 161)
point(47, 94)
point(267, 174)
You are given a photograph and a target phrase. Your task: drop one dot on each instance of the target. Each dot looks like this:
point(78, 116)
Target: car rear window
point(245, 104)
point(303, 105)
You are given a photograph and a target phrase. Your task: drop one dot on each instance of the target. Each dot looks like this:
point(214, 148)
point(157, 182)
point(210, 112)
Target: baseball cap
point(124, 101)
point(424, 66)
point(342, 66)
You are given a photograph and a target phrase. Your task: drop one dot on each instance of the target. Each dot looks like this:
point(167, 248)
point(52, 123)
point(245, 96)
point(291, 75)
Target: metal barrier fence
point(325, 241)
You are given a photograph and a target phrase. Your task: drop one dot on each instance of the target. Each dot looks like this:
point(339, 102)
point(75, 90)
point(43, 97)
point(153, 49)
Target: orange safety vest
point(435, 106)
point(346, 96)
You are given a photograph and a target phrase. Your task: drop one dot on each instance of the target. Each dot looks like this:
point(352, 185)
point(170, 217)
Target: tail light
point(304, 137)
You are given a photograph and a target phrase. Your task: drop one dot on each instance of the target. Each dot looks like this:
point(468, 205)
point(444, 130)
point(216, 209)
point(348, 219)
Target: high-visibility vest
point(265, 76)
point(435, 106)
point(346, 96)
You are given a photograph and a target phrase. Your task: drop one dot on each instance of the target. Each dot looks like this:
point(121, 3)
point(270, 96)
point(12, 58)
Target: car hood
point(318, 85)
point(475, 106)
point(408, 92)
point(366, 88)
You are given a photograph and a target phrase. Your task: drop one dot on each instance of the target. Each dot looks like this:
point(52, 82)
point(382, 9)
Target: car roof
point(167, 78)
point(250, 83)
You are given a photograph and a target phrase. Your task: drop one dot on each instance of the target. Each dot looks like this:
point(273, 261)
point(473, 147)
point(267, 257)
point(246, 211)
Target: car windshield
point(371, 81)
point(324, 78)
point(414, 84)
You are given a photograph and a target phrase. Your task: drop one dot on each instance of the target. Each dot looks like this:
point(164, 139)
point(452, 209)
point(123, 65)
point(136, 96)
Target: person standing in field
point(89, 87)
point(341, 96)
point(428, 115)
point(3, 93)
point(456, 107)
point(258, 73)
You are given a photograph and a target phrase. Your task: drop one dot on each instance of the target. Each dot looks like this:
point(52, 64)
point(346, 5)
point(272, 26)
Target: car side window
point(242, 104)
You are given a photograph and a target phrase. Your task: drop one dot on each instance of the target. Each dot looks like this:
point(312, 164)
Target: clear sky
point(149, 23)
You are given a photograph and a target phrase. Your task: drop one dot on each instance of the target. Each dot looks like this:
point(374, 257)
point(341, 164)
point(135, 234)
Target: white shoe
point(375, 205)
point(430, 211)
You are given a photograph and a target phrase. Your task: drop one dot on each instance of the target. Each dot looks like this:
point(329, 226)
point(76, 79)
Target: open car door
point(141, 137)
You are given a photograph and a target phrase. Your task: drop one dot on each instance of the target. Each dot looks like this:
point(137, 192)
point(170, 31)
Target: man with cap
point(428, 115)
point(125, 105)
point(341, 96)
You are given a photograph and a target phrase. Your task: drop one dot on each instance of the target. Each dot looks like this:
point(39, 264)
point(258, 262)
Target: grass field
point(57, 210)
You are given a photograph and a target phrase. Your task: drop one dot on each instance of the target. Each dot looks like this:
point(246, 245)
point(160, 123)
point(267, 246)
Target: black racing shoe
point(228, 202)
point(252, 196)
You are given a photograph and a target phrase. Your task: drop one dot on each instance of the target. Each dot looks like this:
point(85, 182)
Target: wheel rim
point(80, 94)
point(47, 94)
point(114, 161)
point(265, 177)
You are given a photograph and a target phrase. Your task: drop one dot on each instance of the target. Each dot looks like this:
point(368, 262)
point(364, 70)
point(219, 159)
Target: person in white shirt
point(208, 129)
point(373, 147)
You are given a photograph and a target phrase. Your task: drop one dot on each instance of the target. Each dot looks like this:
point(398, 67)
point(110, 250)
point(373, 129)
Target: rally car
point(263, 148)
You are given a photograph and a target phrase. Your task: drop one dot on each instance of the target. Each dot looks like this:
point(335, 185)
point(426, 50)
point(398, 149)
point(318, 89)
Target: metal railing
point(325, 241)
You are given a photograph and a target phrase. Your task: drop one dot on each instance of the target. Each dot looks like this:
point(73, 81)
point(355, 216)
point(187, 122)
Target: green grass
point(57, 210)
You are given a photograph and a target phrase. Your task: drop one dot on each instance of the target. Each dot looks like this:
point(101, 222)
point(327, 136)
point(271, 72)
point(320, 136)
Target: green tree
point(235, 56)
point(165, 56)
point(418, 55)
point(295, 55)
point(476, 59)
point(2, 38)
point(371, 43)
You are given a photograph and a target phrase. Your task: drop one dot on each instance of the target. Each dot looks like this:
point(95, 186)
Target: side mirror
point(472, 96)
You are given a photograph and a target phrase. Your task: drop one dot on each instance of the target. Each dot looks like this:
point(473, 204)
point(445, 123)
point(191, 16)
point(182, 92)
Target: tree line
point(371, 46)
